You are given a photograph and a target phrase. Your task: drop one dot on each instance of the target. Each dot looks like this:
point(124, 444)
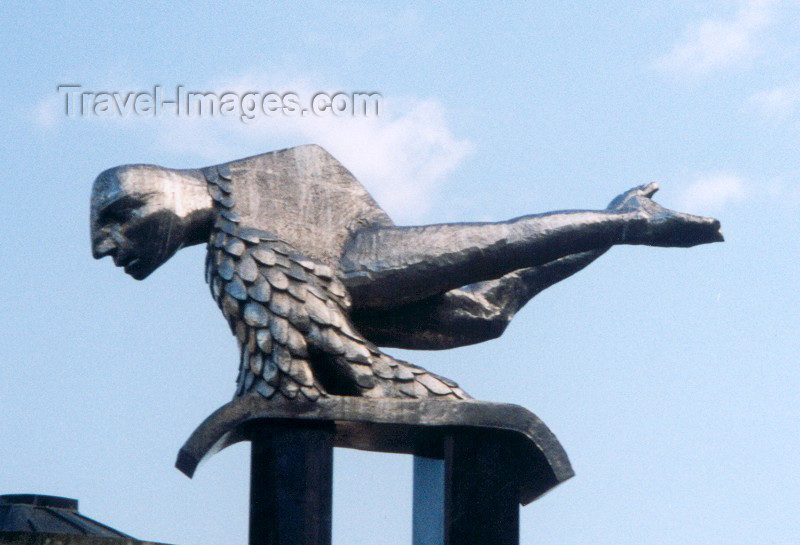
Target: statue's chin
point(143, 266)
point(140, 269)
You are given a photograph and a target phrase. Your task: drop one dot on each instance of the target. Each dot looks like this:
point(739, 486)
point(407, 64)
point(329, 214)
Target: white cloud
point(401, 156)
point(779, 101)
point(719, 43)
point(712, 192)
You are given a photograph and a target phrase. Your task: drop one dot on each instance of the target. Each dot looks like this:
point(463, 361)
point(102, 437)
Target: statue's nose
point(103, 246)
point(106, 185)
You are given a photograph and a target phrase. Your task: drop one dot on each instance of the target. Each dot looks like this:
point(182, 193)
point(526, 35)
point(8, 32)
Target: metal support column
point(291, 484)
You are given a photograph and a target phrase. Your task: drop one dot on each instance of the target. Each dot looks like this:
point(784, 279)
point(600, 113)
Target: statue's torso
point(277, 286)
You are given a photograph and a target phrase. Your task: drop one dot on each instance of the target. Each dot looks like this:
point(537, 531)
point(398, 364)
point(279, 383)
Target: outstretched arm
point(393, 266)
point(472, 314)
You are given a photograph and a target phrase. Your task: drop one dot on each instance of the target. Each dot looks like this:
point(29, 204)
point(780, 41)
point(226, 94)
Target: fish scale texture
point(290, 315)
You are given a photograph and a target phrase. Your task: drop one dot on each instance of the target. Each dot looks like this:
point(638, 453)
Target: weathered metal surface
point(283, 225)
point(272, 281)
point(417, 427)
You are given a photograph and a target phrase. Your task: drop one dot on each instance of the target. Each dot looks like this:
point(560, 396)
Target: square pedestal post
point(291, 484)
point(469, 498)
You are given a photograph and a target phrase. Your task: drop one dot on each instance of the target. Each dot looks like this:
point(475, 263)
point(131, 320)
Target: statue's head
point(142, 214)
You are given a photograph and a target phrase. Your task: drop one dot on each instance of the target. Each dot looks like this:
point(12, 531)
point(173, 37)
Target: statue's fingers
point(648, 190)
point(712, 226)
point(623, 200)
point(700, 220)
point(696, 230)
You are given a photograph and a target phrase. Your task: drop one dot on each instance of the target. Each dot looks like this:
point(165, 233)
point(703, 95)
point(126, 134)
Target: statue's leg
point(392, 266)
point(467, 315)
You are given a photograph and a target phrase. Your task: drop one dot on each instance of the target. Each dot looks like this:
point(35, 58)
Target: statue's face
point(138, 217)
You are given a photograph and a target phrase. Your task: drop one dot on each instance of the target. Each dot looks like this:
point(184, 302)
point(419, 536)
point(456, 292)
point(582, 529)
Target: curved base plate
point(393, 425)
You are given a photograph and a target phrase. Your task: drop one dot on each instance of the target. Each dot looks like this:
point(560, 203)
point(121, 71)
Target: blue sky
point(670, 376)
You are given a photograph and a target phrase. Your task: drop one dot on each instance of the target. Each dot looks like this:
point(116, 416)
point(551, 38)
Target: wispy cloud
point(719, 43)
point(713, 192)
point(778, 101)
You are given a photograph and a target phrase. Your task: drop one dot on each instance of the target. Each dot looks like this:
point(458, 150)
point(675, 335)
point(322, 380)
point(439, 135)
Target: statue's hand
point(654, 225)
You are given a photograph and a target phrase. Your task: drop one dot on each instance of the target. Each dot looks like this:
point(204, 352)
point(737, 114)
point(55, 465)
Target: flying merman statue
point(312, 275)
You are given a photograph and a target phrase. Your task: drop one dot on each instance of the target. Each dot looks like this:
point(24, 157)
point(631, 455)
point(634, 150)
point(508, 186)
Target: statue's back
point(306, 197)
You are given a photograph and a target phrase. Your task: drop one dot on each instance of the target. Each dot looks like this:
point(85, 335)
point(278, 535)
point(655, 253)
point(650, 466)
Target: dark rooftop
point(24, 517)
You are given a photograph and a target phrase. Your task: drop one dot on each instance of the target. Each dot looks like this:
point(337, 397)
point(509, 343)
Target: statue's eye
point(119, 211)
point(113, 215)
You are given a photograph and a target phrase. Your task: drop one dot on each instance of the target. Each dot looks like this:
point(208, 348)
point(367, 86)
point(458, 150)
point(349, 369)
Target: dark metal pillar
point(469, 498)
point(291, 484)
point(481, 496)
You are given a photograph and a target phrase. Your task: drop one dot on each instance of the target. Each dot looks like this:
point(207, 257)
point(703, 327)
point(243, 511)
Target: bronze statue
point(312, 274)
